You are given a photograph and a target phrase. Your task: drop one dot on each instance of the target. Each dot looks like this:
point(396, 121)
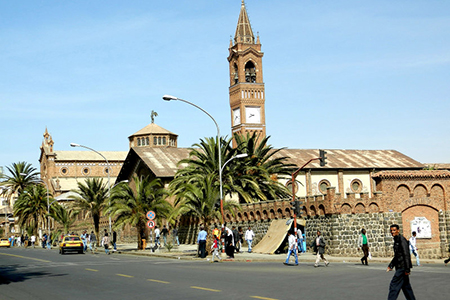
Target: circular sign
point(151, 224)
point(151, 215)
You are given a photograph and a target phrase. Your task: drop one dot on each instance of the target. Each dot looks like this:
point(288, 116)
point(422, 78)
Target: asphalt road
point(41, 274)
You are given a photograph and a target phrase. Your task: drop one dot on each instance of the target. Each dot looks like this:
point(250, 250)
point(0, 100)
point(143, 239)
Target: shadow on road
point(9, 274)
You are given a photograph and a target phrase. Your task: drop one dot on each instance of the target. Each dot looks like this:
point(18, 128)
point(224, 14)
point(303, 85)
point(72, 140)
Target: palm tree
point(31, 206)
point(130, 205)
point(92, 198)
point(16, 181)
point(64, 216)
point(201, 199)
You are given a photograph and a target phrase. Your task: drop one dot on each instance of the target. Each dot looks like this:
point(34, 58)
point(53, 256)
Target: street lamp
point(109, 181)
point(48, 206)
point(169, 98)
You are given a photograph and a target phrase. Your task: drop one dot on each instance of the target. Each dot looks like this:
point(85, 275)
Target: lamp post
point(169, 98)
point(109, 179)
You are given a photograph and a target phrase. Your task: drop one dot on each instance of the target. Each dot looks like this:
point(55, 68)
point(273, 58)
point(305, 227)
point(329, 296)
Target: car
point(71, 243)
point(5, 243)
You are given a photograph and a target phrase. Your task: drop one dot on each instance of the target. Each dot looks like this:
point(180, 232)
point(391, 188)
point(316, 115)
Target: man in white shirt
point(413, 247)
point(33, 240)
point(157, 235)
point(292, 248)
point(249, 234)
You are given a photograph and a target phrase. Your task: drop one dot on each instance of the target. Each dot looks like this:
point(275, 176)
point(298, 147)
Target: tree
point(17, 182)
point(130, 205)
point(92, 198)
point(65, 216)
point(31, 206)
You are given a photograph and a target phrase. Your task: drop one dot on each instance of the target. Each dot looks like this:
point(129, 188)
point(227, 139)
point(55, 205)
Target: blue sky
point(338, 74)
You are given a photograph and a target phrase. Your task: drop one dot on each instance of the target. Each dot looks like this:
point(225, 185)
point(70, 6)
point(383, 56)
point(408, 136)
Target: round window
point(86, 171)
point(289, 186)
point(64, 171)
point(323, 185)
point(107, 170)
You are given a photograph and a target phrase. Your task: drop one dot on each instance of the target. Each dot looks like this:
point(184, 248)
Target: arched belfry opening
point(250, 72)
point(236, 74)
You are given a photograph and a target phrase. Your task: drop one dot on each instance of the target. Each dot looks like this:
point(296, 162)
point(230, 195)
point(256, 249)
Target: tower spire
point(244, 33)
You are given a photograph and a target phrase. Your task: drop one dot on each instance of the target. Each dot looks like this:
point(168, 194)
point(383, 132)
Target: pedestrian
point(49, 242)
point(157, 234)
point(33, 240)
point(83, 237)
point(249, 235)
point(363, 244)
point(215, 249)
point(114, 240)
point(235, 239)
point(448, 259)
point(299, 240)
point(175, 236)
point(19, 240)
point(403, 266)
point(241, 237)
point(105, 242)
point(44, 240)
point(164, 233)
point(292, 248)
point(25, 242)
point(92, 242)
point(319, 247)
point(413, 246)
point(229, 243)
point(201, 242)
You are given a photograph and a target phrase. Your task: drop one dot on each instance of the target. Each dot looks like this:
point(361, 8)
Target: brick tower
point(246, 80)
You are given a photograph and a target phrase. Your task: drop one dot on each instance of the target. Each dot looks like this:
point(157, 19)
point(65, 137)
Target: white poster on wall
point(422, 227)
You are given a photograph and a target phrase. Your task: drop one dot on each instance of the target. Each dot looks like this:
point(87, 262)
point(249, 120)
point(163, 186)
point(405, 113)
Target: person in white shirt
point(157, 235)
point(413, 247)
point(292, 248)
point(33, 240)
point(249, 234)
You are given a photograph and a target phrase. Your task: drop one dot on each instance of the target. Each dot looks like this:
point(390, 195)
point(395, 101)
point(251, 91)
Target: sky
point(345, 74)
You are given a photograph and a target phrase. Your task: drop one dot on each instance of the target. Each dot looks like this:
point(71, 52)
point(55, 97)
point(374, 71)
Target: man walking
point(164, 233)
point(403, 266)
point(319, 248)
point(92, 242)
point(412, 244)
point(201, 241)
point(249, 234)
point(363, 244)
point(157, 233)
point(292, 248)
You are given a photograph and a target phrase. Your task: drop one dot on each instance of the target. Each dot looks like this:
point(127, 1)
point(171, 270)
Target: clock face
point(253, 114)
point(236, 116)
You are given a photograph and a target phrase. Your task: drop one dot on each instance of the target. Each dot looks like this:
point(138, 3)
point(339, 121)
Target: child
point(215, 248)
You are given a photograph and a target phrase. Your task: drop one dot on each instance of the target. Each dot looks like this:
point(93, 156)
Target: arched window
point(159, 141)
point(236, 74)
point(250, 72)
point(164, 140)
point(138, 141)
point(147, 141)
point(155, 141)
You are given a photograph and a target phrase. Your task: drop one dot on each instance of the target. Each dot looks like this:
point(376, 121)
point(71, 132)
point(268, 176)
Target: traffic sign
point(151, 224)
point(151, 215)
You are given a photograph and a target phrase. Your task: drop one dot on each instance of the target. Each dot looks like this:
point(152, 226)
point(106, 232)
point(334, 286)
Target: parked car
point(71, 243)
point(5, 243)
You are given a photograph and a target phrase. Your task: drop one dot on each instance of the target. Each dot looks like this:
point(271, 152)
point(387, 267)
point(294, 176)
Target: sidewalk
point(188, 252)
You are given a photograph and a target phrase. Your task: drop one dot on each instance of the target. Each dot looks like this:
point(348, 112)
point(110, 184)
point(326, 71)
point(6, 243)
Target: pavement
point(189, 252)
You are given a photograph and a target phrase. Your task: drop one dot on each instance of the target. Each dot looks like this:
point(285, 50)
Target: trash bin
point(144, 244)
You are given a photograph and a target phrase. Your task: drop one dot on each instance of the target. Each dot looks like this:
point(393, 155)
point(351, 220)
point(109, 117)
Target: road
point(42, 274)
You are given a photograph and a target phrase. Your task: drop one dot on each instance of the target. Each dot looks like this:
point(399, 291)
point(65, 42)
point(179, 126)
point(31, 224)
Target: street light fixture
point(109, 179)
point(170, 98)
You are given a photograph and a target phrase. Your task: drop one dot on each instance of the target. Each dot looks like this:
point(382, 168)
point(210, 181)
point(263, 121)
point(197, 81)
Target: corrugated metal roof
point(152, 128)
point(90, 155)
point(352, 159)
point(162, 161)
point(413, 174)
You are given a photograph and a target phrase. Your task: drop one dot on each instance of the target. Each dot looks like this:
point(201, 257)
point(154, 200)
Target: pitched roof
point(152, 128)
point(352, 159)
point(90, 155)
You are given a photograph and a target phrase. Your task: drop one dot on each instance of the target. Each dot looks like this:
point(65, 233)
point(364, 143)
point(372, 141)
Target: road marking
point(20, 256)
point(160, 281)
point(123, 275)
point(205, 289)
point(92, 270)
point(264, 298)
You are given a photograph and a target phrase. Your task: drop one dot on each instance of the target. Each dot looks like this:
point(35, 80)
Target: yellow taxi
point(5, 243)
point(71, 243)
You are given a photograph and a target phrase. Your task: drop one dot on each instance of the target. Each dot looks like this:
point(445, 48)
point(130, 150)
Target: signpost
point(151, 224)
point(151, 215)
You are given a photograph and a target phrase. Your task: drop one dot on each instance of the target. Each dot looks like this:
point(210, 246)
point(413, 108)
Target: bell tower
point(246, 80)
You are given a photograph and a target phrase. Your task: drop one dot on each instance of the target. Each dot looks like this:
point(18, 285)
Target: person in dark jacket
point(403, 265)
